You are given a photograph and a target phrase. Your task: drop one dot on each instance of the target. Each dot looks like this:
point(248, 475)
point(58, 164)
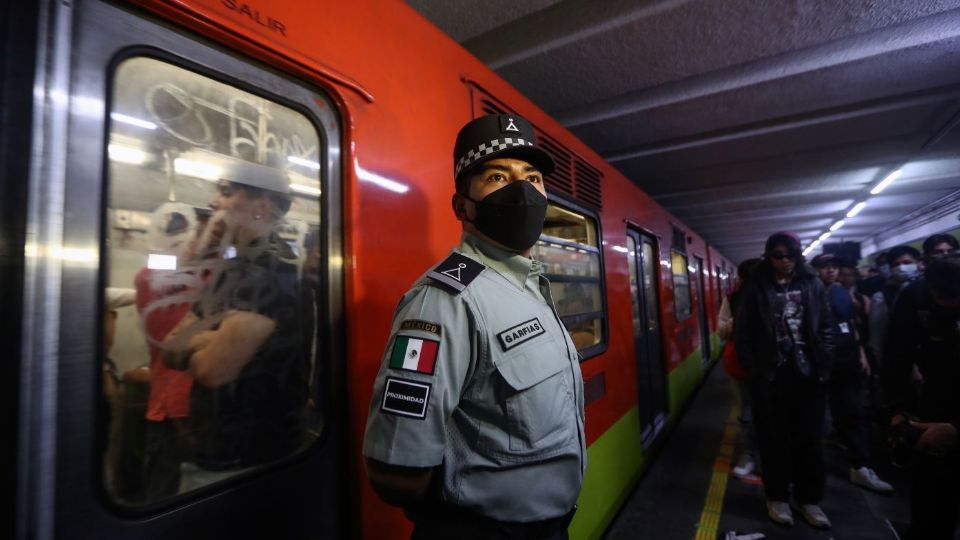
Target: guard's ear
point(459, 204)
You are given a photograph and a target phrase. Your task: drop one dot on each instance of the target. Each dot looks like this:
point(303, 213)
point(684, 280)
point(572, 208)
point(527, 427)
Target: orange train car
point(119, 119)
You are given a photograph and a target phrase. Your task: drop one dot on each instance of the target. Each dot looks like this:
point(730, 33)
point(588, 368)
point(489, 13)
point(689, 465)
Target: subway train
point(118, 120)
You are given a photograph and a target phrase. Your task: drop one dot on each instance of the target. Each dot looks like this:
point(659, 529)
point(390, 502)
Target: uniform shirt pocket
point(538, 404)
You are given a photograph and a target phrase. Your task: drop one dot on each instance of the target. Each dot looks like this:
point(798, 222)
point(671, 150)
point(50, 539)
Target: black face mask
point(513, 216)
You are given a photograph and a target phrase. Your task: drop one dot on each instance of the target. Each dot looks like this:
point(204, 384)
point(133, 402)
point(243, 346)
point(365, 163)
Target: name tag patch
point(525, 331)
point(405, 398)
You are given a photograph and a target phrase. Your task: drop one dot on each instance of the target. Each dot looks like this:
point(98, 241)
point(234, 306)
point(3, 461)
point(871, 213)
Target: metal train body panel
point(400, 90)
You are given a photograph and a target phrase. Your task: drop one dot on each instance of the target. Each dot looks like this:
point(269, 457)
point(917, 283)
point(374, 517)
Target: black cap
point(825, 259)
point(498, 136)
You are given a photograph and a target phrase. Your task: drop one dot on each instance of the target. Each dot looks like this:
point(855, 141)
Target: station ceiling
point(744, 117)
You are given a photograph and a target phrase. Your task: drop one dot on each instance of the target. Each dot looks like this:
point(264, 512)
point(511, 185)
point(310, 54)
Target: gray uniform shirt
point(486, 382)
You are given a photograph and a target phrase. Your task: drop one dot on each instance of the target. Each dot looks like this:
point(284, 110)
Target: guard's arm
point(396, 485)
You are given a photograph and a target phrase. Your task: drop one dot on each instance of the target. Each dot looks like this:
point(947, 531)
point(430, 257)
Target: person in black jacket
point(925, 331)
point(785, 340)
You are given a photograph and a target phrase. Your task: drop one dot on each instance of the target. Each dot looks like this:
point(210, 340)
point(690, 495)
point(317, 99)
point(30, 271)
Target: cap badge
point(510, 125)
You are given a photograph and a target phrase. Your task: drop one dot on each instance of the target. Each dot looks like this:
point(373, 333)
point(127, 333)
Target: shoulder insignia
point(403, 397)
point(456, 272)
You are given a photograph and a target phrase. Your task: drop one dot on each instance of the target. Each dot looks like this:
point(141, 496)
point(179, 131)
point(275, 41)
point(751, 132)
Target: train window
point(681, 285)
point(212, 266)
point(570, 252)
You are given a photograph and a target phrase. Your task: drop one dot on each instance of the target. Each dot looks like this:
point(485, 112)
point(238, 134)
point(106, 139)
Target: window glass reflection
point(213, 226)
point(570, 252)
point(681, 285)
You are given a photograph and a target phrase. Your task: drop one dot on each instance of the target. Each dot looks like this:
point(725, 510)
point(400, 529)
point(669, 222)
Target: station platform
point(689, 494)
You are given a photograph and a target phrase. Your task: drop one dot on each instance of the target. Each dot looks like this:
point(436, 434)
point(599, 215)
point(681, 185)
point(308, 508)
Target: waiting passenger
point(878, 274)
point(939, 245)
point(927, 319)
point(785, 340)
point(906, 264)
point(846, 380)
point(243, 342)
point(725, 325)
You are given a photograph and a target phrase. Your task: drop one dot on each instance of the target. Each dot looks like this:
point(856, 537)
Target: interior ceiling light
point(304, 162)
point(886, 182)
point(856, 209)
point(305, 189)
point(126, 154)
point(836, 225)
point(130, 120)
point(198, 169)
point(824, 236)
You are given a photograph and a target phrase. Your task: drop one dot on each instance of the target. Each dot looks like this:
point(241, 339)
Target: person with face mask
point(476, 427)
point(926, 416)
point(905, 265)
point(939, 245)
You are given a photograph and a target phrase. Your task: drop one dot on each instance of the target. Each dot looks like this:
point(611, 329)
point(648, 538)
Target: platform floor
point(688, 495)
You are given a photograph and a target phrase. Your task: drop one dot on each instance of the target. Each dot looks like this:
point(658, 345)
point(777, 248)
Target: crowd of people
point(805, 339)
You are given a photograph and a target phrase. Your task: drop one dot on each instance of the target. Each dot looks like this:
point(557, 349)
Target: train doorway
point(702, 308)
point(644, 287)
point(164, 147)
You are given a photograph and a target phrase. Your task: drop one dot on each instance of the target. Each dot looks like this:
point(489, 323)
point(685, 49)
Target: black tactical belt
point(444, 521)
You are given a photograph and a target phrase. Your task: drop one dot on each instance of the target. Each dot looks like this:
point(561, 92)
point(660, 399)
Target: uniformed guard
point(476, 422)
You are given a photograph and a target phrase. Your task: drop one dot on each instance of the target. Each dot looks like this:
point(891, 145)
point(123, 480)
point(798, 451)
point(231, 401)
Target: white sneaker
point(745, 466)
point(865, 477)
point(779, 512)
point(814, 516)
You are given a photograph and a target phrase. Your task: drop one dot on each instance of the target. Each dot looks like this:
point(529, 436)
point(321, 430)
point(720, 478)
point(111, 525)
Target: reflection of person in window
point(243, 341)
point(577, 302)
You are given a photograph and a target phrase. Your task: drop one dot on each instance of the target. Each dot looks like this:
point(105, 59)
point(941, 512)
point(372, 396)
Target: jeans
point(788, 413)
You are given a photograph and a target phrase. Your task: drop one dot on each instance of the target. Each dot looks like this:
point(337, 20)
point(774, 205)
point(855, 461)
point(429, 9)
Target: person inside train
point(242, 341)
point(123, 457)
point(748, 462)
point(785, 340)
point(850, 368)
point(926, 417)
point(476, 426)
point(939, 245)
point(163, 300)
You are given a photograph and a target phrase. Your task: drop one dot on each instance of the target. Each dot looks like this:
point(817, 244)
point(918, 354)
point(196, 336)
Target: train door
point(182, 293)
point(719, 288)
point(702, 308)
point(651, 383)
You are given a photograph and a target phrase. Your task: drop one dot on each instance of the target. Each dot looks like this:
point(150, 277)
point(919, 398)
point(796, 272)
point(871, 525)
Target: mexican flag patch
point(414, 354)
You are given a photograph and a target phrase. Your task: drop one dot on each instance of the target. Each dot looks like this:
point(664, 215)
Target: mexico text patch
point(405, 398)
point(416, 324)
point(414, 354)
point(525, 331)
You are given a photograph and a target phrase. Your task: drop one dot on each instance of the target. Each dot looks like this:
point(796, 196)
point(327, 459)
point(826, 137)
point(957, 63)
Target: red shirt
point(169, 388)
